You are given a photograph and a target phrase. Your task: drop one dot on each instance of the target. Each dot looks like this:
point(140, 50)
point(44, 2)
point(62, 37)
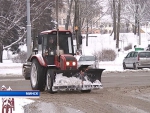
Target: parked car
point(137, 59)
point(88, 60)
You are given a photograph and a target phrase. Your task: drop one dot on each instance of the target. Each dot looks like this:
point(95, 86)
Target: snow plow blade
point(72, 80)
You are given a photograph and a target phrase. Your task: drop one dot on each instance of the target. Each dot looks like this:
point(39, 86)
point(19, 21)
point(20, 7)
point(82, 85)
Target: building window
point(109, 25)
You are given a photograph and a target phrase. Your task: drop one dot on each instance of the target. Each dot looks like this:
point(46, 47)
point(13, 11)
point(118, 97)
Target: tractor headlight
point(67, 63)
point(73, 63)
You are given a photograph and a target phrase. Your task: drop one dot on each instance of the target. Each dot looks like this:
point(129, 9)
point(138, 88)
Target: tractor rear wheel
point(50, 80)
point(37, 76)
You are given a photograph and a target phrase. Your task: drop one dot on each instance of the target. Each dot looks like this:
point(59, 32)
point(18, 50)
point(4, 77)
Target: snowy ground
point(7, 68)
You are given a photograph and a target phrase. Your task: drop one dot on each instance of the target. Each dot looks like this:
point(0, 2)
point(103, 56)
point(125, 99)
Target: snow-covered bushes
point(105, 55)
point(20, 58)
point(129, 46)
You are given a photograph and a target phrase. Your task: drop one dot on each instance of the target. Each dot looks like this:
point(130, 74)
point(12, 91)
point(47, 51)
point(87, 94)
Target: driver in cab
point(51, 48)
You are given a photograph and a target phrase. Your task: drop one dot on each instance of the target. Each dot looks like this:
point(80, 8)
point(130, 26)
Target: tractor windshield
point(65, 43)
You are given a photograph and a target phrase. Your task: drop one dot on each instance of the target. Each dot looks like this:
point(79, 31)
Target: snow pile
point(65, 81)
point(87, 82)
point(69, 81)
point(97, 82)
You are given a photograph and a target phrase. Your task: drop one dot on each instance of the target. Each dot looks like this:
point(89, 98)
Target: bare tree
point(70, 2)
point(13, 14)
point(118, 24)
point(114, 19)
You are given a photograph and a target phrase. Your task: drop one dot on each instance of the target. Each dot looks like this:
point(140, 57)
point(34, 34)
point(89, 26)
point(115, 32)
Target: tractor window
point(69, 45)
point(65, 43)
point(44, 42)
point(40, 49)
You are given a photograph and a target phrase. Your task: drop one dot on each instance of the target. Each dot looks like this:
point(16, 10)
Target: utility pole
point(29, 49)
point(57, 27)
point(138, 23)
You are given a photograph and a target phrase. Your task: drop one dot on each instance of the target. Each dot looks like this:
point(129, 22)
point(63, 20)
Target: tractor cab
point(47, 45)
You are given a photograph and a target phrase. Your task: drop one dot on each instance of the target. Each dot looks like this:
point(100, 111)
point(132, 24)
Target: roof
point(49, 31)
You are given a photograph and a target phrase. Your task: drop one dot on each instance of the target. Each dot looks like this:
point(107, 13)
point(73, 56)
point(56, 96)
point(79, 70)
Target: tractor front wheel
point(37, 76)
point(50, 80)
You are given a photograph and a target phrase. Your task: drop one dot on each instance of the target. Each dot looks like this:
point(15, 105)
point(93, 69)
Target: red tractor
point(45, 64)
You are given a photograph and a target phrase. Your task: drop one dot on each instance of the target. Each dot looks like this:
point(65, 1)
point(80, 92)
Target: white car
point(137, 59)
point(88, 60)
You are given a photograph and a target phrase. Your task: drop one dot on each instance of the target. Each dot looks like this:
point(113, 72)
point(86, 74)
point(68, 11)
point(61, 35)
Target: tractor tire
point(37, 76)
point(27, 78)
point(85, 91)
point(25, 75)
point(50, 80)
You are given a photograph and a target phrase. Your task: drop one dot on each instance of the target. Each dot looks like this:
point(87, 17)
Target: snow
point(7, 68)
point(105, 41)
point(63, 80)
point(19, 103)
point(23, 47)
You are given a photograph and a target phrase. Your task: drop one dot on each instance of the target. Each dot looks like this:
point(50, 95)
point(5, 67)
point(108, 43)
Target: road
point(123, 92)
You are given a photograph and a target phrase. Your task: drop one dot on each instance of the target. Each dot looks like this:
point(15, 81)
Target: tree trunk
point(114, 19)
point(118, 24)
point(136, 20)
point(1, 52)
point(68, 15)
